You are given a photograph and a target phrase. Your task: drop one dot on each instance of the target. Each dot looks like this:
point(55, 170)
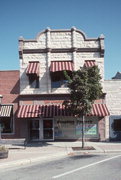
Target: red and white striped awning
point(33, 111)
point(33, 68)
point(100, 110)
point(61, 66)
point(28, 111)
point(5, 110)
point(89, 63)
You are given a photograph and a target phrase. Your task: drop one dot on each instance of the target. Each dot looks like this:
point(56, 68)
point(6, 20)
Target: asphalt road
point(81, 167)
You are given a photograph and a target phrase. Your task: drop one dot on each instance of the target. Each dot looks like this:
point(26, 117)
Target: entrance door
point(34, 129)
point(48, 129)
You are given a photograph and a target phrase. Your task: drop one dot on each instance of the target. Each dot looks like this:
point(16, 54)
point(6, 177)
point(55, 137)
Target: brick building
point(43, 87)
point(9, 89)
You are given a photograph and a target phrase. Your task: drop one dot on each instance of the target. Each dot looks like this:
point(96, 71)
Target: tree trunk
point(83, 138)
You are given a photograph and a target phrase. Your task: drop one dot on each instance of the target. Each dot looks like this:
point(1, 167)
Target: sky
point(29, 17)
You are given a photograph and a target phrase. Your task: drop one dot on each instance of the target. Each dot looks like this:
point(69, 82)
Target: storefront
point(52, 122)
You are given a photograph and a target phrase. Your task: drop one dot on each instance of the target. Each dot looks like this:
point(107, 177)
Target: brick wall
point(9, 89)
point(9, 86)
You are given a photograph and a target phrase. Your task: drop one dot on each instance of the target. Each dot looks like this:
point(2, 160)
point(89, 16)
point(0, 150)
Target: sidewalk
point(43, 152)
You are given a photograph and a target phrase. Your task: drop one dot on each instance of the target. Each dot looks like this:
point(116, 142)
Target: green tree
point(85, 88)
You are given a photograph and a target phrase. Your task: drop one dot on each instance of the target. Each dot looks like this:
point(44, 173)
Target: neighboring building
point(117, 76)
point(9, 89)
point(113, 99)
point(43, 86)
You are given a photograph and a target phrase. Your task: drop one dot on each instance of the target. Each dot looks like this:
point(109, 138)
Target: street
point(88, 167)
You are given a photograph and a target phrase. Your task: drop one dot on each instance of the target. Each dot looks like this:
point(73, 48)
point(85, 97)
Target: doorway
point(48, 133)
point(34, 130)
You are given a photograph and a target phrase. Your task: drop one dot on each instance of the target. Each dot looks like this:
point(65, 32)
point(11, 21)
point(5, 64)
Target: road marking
point(78, 169)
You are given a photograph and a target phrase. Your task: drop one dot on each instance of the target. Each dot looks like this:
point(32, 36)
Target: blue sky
point(29, 17)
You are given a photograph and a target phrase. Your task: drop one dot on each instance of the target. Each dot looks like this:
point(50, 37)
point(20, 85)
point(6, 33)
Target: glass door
point(34, 130)
point(48, 129)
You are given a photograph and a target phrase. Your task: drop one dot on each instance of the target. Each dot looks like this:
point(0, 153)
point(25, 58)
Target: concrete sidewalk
point(43, 152)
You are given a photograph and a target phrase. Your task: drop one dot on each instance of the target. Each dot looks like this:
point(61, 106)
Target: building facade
point(113, 99)
point(9, 89)
point(43, 87)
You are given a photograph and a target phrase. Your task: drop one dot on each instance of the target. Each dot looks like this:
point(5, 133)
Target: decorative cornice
point(48, 50)
point(74, 49)
point(88, 49)
point(60, 50)
point(60, 30)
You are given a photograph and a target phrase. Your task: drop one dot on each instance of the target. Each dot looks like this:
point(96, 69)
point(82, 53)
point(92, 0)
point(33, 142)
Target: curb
point(31, 160)
point(76, 153)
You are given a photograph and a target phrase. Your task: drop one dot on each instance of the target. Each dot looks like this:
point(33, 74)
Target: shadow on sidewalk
point(38, 144)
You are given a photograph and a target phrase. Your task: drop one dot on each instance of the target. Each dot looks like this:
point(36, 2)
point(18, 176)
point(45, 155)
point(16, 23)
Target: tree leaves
point(85, 87)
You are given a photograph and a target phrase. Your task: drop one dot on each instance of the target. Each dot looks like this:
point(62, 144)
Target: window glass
point(58, 80)
point(6, 125)
point(117, 124)
point(55, 84)
point(64, 128)
point(33, 81)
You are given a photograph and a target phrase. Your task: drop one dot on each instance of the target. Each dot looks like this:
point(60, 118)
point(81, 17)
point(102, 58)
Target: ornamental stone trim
point(29, 51)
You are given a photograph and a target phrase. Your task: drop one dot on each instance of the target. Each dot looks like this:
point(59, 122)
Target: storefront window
point(6, 125)
point(64, 128)
point(72, 127)
point(90, 128)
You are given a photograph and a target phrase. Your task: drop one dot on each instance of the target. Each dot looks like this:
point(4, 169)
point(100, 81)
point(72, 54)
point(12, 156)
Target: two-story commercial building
point(43, 87)
point(9, 99)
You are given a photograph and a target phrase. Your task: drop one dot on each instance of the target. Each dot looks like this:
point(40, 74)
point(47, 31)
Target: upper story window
point(58, 80)
point(33, 81)
point(57, 76)
point(33, 74)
